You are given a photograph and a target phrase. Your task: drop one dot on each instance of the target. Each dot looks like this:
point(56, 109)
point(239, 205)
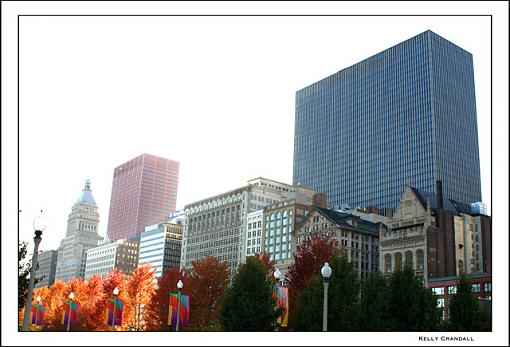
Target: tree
point(208, 281)
point(82, 298)
point(24, 268)
point(140, 288)
point(157, 309)
point(95, 305)
point(116, 278)
point(343, 299)
point(411, 306)
point(309, 311)
point(374, 303)
point(308, 260)
point(249, 304)
point(53, 300)
point(465, 311)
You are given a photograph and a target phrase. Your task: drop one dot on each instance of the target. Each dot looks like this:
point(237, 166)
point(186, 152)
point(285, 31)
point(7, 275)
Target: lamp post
point(115, 293)
point(277, 275)
point(71, 297)
point(39, 225)
point(37, 311)
point(326, 272)
point(179, 288)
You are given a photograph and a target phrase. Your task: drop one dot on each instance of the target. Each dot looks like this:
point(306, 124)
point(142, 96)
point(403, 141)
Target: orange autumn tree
point(53, 299)
point(95, 305)
point(308, 260)
point(157, 308)
point(140, 288)
point(207, 283)
point(116, 278)
point(81, 297)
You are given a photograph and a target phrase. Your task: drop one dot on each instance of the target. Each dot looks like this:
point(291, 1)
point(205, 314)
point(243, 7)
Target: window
point(438, 290)
point(409, 258)
point(440, 302)
point(420, 259)
point(487, 287)
point(475, 287)
point(398, 260)
point(452, 289)
point(387, 261)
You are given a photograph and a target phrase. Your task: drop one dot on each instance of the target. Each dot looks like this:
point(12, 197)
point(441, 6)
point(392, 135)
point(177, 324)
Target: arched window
point(278, 219)
point(284, 222)
point(271, 221)
point(387, 263)
point(420, 260)
point(409, 258)
point(398, 260)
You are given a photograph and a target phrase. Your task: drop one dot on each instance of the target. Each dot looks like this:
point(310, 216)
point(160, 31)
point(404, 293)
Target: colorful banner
point(172, 311)
point(110, 302)
point(37, 314)
point(282, 299)
point(74, 312)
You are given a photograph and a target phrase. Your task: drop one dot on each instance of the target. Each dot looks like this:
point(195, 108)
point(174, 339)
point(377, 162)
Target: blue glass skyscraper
point(406, 115)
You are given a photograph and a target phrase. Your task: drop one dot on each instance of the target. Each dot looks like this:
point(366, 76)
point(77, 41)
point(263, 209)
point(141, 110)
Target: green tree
point(343, 299)
point(465, 311)
point(249, 304)
point(411, 306)
point(374, 303)
point(309, 310)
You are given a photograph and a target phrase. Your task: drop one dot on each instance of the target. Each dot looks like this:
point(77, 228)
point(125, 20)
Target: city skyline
point(85, 83)
point(214, 143)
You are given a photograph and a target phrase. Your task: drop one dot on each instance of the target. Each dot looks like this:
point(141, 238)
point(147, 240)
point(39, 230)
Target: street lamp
point(277, 275)
point(39, 225)
point(179, 288)
point(326, 272)
point(115, 293)
point(71, 297)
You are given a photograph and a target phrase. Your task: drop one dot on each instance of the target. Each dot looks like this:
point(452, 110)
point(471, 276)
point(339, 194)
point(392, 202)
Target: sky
point(215, 94)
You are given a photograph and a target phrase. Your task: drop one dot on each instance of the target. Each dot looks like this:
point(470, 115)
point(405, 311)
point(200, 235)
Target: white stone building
point(82, 234)
point(121, 255)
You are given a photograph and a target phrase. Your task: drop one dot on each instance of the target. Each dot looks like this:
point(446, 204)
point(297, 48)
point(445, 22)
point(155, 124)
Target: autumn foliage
point(208, 280)
point(308, 260)
point(157, 308)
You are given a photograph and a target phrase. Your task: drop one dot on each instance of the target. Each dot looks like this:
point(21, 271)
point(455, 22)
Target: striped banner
point(172, 311)
point(65, 312)
point(37, 314)
point(118, 311)
point(282, 298)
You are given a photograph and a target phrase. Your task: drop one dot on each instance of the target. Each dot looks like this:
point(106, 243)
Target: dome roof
point(86, 195)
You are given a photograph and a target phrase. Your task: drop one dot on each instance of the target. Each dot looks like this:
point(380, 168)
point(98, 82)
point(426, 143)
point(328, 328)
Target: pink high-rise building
point(144, 192)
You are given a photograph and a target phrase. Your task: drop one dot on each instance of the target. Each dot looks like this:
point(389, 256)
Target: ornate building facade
point(217, 226)
point(357, 237)
point(82, 234)
point(439, 237)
